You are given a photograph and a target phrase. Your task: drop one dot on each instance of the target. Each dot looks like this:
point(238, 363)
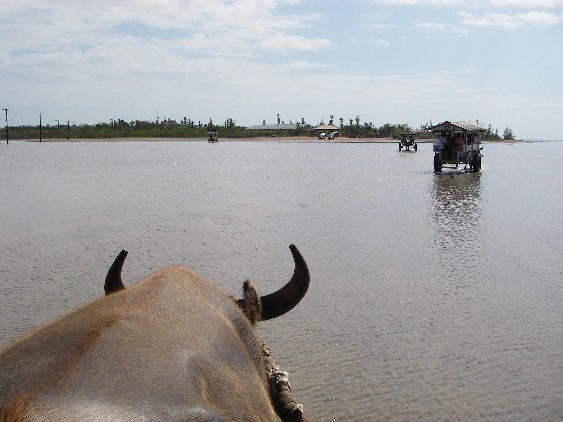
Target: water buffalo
point(172, 347)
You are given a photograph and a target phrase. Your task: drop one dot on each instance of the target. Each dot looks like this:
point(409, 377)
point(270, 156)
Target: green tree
point(508, 135)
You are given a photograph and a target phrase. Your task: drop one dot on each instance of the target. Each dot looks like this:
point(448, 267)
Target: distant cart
point(407, 141)
point(457, 143)
point(212, 137)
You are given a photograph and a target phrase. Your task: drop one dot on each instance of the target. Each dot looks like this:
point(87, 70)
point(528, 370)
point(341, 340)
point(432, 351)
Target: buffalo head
point(171, 347)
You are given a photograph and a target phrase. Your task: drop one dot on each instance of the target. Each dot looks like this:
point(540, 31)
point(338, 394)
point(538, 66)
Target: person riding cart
point(457, 143)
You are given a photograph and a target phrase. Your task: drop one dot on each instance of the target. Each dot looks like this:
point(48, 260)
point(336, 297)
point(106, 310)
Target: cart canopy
point(456, 127)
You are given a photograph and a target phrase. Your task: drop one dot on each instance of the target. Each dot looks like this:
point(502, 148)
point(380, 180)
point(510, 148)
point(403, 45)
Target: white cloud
point(302, 65)
point(510, 22)
point(381, 43)
point(419, 2)
point(382, 26)
point(505, 14)
point(436, 26)
point(282, 43)
point(530, 4)
point(241, 26)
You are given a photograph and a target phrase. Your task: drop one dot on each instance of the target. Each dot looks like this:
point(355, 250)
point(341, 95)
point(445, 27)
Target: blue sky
point(386, 61)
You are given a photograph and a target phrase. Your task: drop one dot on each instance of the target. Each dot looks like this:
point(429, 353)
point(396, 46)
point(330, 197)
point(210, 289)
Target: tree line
point(119, 128)
point(187, 128)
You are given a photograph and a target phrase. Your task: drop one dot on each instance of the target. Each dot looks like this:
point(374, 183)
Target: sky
point(498, 62)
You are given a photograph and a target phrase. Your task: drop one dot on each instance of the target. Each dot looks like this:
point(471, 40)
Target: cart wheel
point(475, 164)
point(415, 147)
point(400, 146)
point(437, 164)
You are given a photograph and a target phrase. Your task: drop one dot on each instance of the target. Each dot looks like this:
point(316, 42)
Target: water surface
point(433, 296)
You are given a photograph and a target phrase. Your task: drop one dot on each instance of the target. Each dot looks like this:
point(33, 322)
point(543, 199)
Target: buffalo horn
point(286, 298)
point(113, 279)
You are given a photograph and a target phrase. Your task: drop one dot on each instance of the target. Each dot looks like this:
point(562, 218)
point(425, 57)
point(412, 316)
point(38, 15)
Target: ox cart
point(212, 137)
point(457, 143)
point(330, 136)
point(407, 141)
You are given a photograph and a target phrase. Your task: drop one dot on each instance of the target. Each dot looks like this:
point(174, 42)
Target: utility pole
point(7, 137)
point(58, 131)
point(40, 128)
point(68, 130)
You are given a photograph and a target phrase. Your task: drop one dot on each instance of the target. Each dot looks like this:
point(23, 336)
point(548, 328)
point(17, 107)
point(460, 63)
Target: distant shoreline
point(275, 139)
point(281, 139)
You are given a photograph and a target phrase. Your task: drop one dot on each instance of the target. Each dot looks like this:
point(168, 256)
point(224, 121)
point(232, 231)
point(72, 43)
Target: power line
point(7, 126)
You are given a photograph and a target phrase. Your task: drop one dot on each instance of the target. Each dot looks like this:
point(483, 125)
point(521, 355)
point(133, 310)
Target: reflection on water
point(457, 224)
point(456, 211)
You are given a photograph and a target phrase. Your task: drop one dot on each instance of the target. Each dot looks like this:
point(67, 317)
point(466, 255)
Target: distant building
point(324, 131)
point(326, 128)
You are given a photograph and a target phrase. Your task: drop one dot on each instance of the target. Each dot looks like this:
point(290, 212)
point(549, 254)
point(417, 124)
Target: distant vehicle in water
point(330, 137)
point(457, 143)
point(407, 141)
point(212, 137)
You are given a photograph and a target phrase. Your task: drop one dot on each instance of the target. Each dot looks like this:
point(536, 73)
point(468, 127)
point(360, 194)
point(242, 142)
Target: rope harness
point(285, 405)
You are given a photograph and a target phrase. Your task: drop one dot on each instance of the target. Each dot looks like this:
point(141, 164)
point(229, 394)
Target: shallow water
point(433, 296)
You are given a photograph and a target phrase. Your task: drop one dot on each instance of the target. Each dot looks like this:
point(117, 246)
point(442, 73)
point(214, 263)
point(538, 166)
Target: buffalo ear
point(250, 303)
point(113, 278)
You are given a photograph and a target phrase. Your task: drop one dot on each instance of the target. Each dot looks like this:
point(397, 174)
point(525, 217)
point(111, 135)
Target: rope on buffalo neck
point(285, 405)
